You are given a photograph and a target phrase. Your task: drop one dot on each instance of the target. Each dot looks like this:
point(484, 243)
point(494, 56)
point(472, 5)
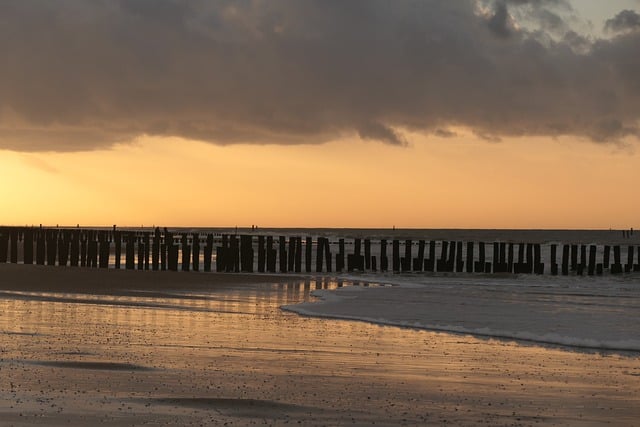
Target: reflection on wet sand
point(231, 355)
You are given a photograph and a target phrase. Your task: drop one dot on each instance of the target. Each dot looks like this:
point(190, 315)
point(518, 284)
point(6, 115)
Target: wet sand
point(87, 347)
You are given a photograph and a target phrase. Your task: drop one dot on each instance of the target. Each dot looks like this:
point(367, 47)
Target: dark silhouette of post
point(616, 267)
point(41, 248)
point(384, 261)
point(195, 252)
point(418, 261)
point(4, 246)
point(74, 259)
point(271, 255)
point(186, 252)
point(554, 264)
point(327, 255)
point(340, 256)
point(130, 251)
point(155, 249)
point(208, 253)
point(459, 259)
point(367, 254)
point(442, 262)
point(605, 256)
point(479, 266)
point(246, 251)
point(430, 263)
point(291, 258)
point(298, 258)
point(104, 248)
point(629, 266)
point(319, 254)
point(510, 259)
point(565, 260)
point(470, 257)
point(52, 246)
point(262, 257)
point(92, 249)
point(14, 246)
point(583, 260)
point(27, 247)
point(395, 255)
point(406, 260)
point(592, 260)
point(147, 248)
point(538, 265)
point(282, 252)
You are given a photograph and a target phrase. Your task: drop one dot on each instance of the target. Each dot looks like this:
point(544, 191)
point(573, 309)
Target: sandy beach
point(87, 347)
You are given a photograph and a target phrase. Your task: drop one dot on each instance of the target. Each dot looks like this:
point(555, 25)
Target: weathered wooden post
point(52, 246)
point(418, 262)
point(298, 258)
point(504, 268)
point(592, 260)
point(583, 260)
point(470, 257)
point(308, 254)
point(406, 260)
point(327, 255)
point(384, 261)
point(155, 249)
point(14, 245)
point(208, 253)
point(396, 255)
point(262, 258)
point(147, 248)
point(74, 259)
point(246, 251)
point(452, 257)
point(221, 254)
point(235, 253)
point(340, 256)
point(554, 264)
point(616, 267)
point(164, 247)
point(4, 245)
point(629, 267)
point(441, 265)
point(479, 265)
point(605, 256)
point(319, 254)
point(41, 248)
point(105, 248)
point(510, 259)
point(282, 252)
point(496, 258)
point(291, 254)
point(117, 241)
point(636, 267)
point(367, 254)
point(28, 246)
point(93, 248)
point(130, 251)
point(186, 252)
point(565, 260)
point(173, 251)
point(195, 251)
point(538, 265)
point(271, 255)
point(574, 257)
point(459, 260)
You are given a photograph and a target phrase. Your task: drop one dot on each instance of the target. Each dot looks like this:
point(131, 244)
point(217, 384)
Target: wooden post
point(340, 256)
point(565, 260)
point(147, 248)
point(396, 255)
point(246, 254)
point(74, 259)
point(605, 256)
point(105, 249)
point(235, 253)
point(28, 247)
point(208, 253)
point(195, 251)
point(173, 251)
point(418, 262)
point(308, 254)
point(574, 257)
point(14, 246)
point(186, 252)
point(592, 260)
point(452, 257)
point(93, 249)
point(616, 267)
point(441, 265)
point(283, 254)
point(459, 260)
point(470, 257)
point(319, 254)
point(297, 267)
point(261, 255)
point(130, 251)
point(496, 258)
point(629, 267)
point(583, 260)
point(406, 261)
point(510, 259)
point(41, 248)
point(327, 255)
point(479, 266)
point(384, 261)
point(155, 250)
point(164, 247)
point(367, 254)
point(52, 246)
point(4, 245)
point(538, 265)
point(291, 255)
point(271, 255)
point(554, 264)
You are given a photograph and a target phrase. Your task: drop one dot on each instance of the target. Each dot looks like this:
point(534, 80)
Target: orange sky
point(460, 182)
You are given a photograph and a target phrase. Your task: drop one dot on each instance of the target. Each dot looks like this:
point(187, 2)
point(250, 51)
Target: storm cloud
point(78, 75)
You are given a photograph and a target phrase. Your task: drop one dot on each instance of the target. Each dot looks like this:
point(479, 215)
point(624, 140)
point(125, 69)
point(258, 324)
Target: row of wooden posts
point(160, 250)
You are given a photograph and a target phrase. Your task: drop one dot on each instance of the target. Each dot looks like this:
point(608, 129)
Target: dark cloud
point(624, 21)
point(78, 75)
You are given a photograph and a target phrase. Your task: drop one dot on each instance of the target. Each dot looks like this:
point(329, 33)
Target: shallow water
point(231, 355)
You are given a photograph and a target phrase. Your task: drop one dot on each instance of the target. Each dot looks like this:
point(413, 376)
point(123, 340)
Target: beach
point(87, 347)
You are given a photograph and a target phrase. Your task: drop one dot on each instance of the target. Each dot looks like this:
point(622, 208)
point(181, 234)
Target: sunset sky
point(296, 113)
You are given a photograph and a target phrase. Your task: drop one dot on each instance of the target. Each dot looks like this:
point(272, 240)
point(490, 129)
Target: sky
point(301, 113)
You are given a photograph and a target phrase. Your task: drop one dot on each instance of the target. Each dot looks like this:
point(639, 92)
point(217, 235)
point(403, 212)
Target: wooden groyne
point(161, 249)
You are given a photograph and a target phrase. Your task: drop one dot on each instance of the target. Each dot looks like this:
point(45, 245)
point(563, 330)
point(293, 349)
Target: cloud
point(80, 75)
point(623, 21)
